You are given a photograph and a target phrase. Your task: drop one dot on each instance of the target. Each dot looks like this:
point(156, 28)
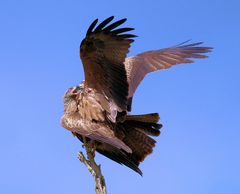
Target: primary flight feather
point(97, 110)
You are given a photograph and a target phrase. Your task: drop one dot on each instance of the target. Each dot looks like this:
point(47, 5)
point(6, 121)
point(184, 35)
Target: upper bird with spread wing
point(97, 109)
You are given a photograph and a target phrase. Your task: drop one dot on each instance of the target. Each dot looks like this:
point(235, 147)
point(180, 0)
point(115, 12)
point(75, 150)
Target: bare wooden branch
point(93, 168)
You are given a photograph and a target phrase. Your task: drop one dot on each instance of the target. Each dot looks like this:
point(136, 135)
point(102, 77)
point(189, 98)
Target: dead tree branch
point(93, 168)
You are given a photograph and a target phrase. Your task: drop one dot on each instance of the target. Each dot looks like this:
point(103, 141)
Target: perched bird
point(97, 110)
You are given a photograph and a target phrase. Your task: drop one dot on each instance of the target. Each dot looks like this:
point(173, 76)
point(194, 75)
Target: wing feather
point(91, 27)
point(138, 66)
point(114, 25)
point(121, 30)
point(103, 24)
point(103, 52)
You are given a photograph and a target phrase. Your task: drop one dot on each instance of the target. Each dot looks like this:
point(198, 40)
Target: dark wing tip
point(195, 45)
point(110, 29)
point(127, 36)
point(105, 22)
point(121, 30)
point(90, 29)
point(114, 25)
point(193, 50)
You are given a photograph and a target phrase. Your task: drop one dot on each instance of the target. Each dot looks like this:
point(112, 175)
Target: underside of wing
point(103, 52)
point(138, 66)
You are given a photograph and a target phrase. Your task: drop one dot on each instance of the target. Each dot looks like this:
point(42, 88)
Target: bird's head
point(73, 91)
point(70, 95)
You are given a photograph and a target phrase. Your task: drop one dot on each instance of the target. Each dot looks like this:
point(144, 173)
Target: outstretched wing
point(138, 66)
point(103, 52)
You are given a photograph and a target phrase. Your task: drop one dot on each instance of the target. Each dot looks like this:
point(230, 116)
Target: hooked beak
point(76, 90)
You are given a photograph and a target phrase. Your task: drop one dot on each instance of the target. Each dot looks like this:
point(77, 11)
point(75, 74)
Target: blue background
point(198, 150)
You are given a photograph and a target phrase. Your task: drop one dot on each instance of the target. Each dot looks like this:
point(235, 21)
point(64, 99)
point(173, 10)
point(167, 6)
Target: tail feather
point(146, 118)
point(146, 123)
point(137, 130)
point(140, 144)
point(151, 129)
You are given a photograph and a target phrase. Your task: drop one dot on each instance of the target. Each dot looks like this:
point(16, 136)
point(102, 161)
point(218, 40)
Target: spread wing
point(103, 52)
point(138, 66)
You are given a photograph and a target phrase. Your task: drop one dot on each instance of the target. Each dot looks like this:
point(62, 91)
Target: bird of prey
point(97, 110)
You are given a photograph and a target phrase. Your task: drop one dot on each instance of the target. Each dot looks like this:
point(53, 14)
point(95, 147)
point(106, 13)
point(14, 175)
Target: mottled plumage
point(98, 108)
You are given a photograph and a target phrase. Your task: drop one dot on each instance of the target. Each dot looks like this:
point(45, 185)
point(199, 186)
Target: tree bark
point(93, 168)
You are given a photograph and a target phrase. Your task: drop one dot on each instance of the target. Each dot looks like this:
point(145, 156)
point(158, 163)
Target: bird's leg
point(90, 146)
point(93, 146)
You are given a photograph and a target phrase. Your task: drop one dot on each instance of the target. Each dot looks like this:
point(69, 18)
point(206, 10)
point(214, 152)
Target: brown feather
point(103, 52)
point(97, 108)
point(149, 118)
point(134, 132)
point(138, 66)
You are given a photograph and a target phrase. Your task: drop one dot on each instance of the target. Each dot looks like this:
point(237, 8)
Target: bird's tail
point(137, 130)
point(147, 123)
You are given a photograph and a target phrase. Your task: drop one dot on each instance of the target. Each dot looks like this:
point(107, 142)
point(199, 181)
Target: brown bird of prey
point(98, 109)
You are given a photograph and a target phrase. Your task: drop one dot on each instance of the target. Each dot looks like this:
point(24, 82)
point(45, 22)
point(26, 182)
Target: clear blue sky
point(198, 151)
